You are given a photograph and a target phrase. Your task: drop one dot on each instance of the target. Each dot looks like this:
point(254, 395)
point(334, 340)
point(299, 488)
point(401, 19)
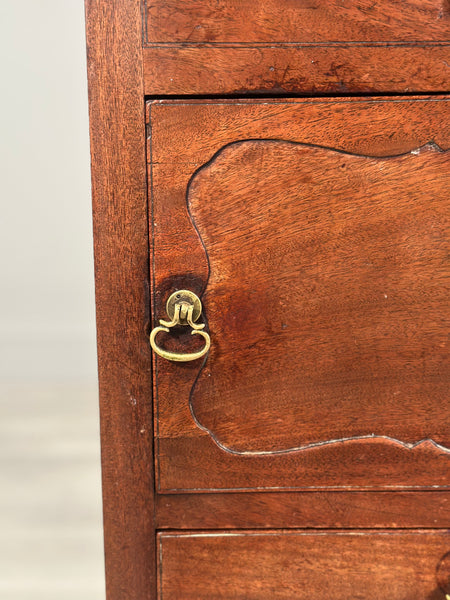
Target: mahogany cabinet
point(271, 217)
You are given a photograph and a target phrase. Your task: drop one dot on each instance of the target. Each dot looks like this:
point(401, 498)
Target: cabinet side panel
point(121, 259)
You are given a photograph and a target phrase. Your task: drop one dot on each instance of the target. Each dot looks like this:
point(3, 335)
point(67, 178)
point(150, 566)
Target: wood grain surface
point(296, 21)
point(185, 136)
point(274, 70)
point(303, 509)
point(291, 46)
point(138, 48)
point(121, 261)
point(251, 565)
point(327, 295)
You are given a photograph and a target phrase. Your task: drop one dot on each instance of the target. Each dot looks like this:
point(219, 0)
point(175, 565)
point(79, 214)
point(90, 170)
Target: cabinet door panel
point(325, 296)
point(317, 235)
point(301, 565)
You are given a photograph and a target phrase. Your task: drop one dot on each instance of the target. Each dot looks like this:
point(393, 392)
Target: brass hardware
point(183, 308)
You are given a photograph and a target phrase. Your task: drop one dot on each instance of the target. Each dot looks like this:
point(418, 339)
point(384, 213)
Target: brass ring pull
point(183, 308)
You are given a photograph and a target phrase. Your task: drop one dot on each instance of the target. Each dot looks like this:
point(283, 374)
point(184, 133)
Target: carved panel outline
point(223, 446)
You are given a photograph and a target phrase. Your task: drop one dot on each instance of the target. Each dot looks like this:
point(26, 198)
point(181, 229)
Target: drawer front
point(301, 565)
point(295, 21)
point(292, 46)
point(316, 233)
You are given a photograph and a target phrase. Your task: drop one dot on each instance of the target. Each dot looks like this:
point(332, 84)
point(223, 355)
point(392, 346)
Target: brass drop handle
point(183, 308)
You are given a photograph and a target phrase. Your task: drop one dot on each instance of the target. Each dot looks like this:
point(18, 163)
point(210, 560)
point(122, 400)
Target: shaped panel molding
point(327, 296)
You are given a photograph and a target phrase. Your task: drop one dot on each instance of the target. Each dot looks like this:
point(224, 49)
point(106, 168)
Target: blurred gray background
point(50, 498)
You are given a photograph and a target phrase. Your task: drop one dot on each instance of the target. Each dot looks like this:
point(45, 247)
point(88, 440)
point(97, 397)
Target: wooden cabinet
point(307, 453)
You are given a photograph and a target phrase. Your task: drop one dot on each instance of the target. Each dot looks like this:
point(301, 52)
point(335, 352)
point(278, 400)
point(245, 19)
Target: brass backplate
point(184, 297)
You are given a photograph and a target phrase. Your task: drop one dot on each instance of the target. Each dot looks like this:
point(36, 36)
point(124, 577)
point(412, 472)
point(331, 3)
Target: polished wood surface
point(303, 509)
point(296, 21)
point(327, 296)
point(303, 565)
point(275, 70)
point(302, 46)
point(190, 454)
point(121, 264)
point(146, 48)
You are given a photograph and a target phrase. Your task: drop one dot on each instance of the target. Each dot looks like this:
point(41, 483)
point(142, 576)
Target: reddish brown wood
point(296, 21)
point(286, 46)
point(184, 137)
point(308, 509)
point(327, 296)
point(221, 47)
point(304, 565)
point(121, 259)
point(341, 69)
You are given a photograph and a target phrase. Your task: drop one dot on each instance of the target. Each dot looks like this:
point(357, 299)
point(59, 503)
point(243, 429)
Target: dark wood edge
point(316, 510)
point(297, 45)
point(175, 533)
point(273, 100)
point(117, 129)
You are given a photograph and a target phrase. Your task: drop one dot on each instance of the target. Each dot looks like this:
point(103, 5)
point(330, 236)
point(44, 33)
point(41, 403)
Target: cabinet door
point(342, 565)
point(316, 234)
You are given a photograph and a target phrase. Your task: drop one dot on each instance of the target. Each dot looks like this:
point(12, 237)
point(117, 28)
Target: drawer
point(295, 46)
point(295, 21)
point(315, 233)
point(251, 565)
